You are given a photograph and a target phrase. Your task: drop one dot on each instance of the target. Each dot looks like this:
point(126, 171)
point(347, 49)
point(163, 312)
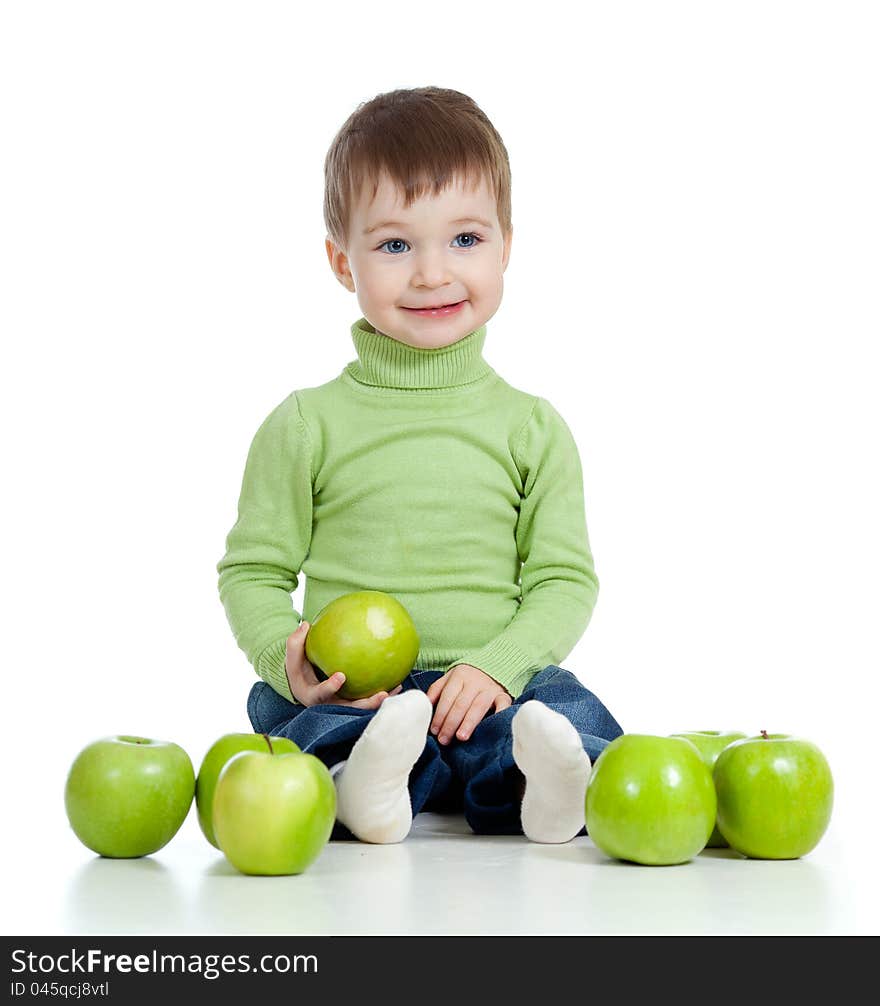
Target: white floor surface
point(441, 879)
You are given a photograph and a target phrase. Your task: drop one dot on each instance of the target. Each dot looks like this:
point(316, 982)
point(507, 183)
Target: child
point(420, 472)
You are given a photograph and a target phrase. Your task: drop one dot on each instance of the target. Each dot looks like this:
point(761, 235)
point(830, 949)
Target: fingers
point(435, 688)
point(460, 708)
point(463, 702)
point(447, 698)
point(304, 684)
point(325, 691)
point(502, 701)
point(370, 702)
point(296, 643)
point(475, 712)
point(300, 673)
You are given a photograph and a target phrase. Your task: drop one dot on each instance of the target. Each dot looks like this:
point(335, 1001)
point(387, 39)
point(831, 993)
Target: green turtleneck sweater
point(421, 473)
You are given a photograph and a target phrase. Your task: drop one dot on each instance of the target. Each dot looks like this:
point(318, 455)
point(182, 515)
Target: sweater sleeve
point(557, 577)
point(269, 542)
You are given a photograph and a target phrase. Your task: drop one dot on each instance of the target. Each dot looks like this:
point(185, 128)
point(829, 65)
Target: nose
point(431, 269)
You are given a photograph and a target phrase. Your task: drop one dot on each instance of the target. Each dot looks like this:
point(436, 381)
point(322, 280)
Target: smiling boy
point(420, 472)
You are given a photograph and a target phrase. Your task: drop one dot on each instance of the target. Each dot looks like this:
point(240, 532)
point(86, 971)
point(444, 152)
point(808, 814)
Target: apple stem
point(269, 742)
point(764, 735)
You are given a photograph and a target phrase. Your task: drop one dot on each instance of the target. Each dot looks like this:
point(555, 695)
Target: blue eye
point(399, 241)
point(392, 241)
point(476, 239)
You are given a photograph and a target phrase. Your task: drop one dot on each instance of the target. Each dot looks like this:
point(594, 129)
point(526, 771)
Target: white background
point(693, 284)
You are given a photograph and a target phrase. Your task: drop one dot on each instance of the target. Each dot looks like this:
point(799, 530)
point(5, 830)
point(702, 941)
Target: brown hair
point(423, 138)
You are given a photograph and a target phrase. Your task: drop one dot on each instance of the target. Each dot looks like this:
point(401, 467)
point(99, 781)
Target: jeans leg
point(431, 778)
point(326, 731)
point(560, 690)
point(485, 762)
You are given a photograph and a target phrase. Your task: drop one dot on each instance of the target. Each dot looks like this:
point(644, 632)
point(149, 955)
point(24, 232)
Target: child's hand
point(462, 698)
point(305, 686)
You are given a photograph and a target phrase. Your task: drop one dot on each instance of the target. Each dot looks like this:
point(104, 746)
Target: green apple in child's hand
point(368, 636)
point(710, 744)
point(217, 756)
point(128, 796)
point(775, 794)
point(273, 814)
point(650, 800)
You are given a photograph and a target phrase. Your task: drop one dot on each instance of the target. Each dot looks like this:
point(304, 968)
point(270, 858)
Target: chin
point(427, 341)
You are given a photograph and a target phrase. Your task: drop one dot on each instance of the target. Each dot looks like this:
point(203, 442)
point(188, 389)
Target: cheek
point(379, 283)
point(488, 281)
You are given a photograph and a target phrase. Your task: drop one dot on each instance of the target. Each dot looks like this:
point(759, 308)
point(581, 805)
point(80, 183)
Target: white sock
point(372, 798)
point(548, 751)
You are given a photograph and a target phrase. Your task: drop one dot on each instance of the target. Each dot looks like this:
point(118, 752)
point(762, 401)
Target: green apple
point(273, 814)
point(775, 794)
point(217, 756)
point(369, 637)
point(128, 796)
point(650, 800)
point(710, 744)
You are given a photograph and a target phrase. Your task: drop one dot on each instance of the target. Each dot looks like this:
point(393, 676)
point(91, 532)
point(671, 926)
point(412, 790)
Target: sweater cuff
point(504, 662)
point(270, 667)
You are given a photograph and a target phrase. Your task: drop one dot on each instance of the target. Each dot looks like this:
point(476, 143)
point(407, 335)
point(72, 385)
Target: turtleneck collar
point(385, 362)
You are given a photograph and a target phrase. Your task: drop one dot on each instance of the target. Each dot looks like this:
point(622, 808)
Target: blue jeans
point(477, 776)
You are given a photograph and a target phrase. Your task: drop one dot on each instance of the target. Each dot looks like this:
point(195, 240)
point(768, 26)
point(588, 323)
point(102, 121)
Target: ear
point(339, 264)
point(508, 239)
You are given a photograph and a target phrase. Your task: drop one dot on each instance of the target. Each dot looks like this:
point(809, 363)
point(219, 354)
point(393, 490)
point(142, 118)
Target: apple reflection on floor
point(131, 896)
point(443, 879)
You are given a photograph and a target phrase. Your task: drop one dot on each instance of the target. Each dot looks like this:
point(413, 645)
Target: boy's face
point(429, 257)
